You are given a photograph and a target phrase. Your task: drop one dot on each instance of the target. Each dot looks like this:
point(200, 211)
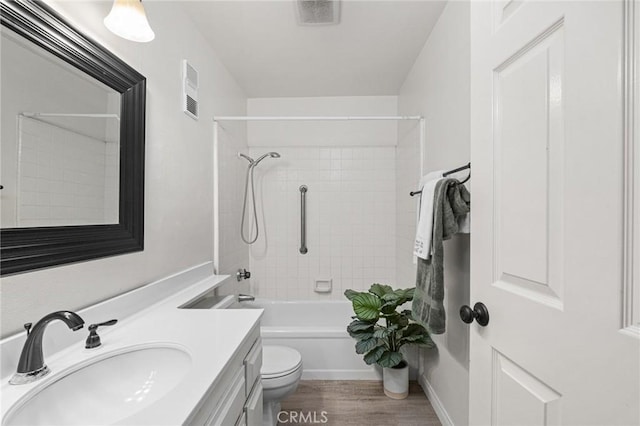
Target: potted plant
point(381, 330)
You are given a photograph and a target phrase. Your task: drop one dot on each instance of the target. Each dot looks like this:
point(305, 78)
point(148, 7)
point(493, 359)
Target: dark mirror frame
point(27, 249)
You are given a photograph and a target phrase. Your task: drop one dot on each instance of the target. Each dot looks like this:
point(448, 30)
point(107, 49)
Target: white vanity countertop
point(210, 336)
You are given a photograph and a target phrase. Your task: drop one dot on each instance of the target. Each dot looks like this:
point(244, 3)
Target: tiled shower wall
point(351, 214)
point(65, 177)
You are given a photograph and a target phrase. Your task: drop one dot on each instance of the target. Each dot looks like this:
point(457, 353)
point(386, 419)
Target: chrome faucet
point(31, 366)
point(245, 298)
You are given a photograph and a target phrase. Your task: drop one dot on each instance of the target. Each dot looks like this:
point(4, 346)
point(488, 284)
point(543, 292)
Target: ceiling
point(368, 53)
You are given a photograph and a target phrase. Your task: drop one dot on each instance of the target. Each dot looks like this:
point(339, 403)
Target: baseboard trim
point(442, 414)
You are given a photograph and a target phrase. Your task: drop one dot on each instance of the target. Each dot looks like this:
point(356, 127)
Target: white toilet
point(281, 371)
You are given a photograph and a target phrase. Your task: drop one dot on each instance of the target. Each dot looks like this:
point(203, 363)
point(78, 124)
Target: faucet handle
point(95, 326)
point(27, 327)
point(93, 340)
point(243, 274)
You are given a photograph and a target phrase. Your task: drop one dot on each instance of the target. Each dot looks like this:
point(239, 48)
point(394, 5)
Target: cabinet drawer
point(253, 408)
point(252, 366)
point(233, 404)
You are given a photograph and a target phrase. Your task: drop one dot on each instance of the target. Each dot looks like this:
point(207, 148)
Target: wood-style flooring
point(355, 403)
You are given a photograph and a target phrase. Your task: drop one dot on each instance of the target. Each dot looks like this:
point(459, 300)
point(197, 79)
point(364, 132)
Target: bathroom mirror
point(72, 144)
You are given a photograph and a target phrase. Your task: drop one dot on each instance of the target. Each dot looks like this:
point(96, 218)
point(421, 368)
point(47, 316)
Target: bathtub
point(318, 331)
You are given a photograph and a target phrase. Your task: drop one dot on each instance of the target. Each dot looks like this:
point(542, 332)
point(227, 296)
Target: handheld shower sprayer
point(268, 154)
point(252, 164)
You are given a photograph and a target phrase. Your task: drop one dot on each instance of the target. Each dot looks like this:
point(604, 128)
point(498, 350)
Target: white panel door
point(547, 248)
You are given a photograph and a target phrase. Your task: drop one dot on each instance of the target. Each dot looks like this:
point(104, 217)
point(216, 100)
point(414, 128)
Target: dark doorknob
point(480, 313)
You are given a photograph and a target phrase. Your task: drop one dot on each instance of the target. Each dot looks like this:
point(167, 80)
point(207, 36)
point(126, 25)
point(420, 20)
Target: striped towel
point(451, 201)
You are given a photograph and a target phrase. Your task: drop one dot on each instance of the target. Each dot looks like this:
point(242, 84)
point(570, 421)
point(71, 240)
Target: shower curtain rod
point(316, 118)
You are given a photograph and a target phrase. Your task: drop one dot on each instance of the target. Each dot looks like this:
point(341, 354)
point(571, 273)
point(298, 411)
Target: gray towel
point(450, 201)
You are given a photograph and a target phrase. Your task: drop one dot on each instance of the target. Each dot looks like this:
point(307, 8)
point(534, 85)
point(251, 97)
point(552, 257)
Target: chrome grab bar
point(303, 220)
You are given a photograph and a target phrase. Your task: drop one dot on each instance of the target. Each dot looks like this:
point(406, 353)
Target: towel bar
point(445, 174)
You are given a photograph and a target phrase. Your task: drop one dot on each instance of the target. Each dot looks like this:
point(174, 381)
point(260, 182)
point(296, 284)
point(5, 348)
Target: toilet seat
point(279, 361)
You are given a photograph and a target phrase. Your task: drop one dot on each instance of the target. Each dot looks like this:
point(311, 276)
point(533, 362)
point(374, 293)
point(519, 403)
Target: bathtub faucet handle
point(243, 274)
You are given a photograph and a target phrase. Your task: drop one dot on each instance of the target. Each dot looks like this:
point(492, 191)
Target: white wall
point(179, 169)
point(438, 88)
point(349, 169)
point(323, 133)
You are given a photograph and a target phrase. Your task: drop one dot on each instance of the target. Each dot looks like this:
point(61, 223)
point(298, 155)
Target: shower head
point(268, 154)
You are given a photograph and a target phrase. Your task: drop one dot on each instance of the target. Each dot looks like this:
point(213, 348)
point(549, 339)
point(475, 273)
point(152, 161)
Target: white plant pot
point(396, 382)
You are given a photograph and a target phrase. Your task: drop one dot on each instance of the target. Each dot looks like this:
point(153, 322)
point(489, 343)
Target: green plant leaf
point(390, 297)
point(366, 306)
point(414, 329)
point(408, 313)
point(390, 359)
point(413, 338)
point(358, 325)
point(429, 343)
point(380, 289)
point(360, 330)
point(407, 293)
point(400, 296)
point(424, 341)
point(350, 294)
point(361, 335)
point(393, 317)
point(388, 308)
point(417, 335)
point(374, 355)
point(384, 332)
point(364, 346)
point(403, 321)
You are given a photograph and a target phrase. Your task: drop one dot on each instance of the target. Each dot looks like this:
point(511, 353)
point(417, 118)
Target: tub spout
point(245, 298)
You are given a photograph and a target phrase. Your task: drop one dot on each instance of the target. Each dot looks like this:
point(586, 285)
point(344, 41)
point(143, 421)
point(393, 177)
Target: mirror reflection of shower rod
point(55, 114)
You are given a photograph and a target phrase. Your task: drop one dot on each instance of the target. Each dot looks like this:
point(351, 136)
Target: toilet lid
point(278, 361)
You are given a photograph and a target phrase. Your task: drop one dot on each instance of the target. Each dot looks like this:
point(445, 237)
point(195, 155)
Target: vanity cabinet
point(235, 399)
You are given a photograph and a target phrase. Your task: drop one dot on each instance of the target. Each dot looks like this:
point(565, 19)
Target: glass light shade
point(128, 20)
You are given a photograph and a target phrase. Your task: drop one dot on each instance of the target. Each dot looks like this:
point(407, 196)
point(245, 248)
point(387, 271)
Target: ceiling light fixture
point(128, 20)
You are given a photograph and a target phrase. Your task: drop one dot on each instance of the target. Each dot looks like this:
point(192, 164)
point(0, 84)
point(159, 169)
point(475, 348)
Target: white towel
point(464, 224)
point(422, 246)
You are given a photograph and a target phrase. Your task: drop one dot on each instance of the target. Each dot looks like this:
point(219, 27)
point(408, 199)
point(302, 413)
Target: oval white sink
point(106, 390)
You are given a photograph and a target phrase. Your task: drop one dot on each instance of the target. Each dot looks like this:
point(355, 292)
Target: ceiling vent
point(318, 12)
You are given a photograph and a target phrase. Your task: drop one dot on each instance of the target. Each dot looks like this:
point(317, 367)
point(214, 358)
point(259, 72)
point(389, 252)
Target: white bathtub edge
point(371, 374)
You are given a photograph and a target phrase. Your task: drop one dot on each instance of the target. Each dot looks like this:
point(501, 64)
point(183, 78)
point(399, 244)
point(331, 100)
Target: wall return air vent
point(318, 12)
point(189, 90)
